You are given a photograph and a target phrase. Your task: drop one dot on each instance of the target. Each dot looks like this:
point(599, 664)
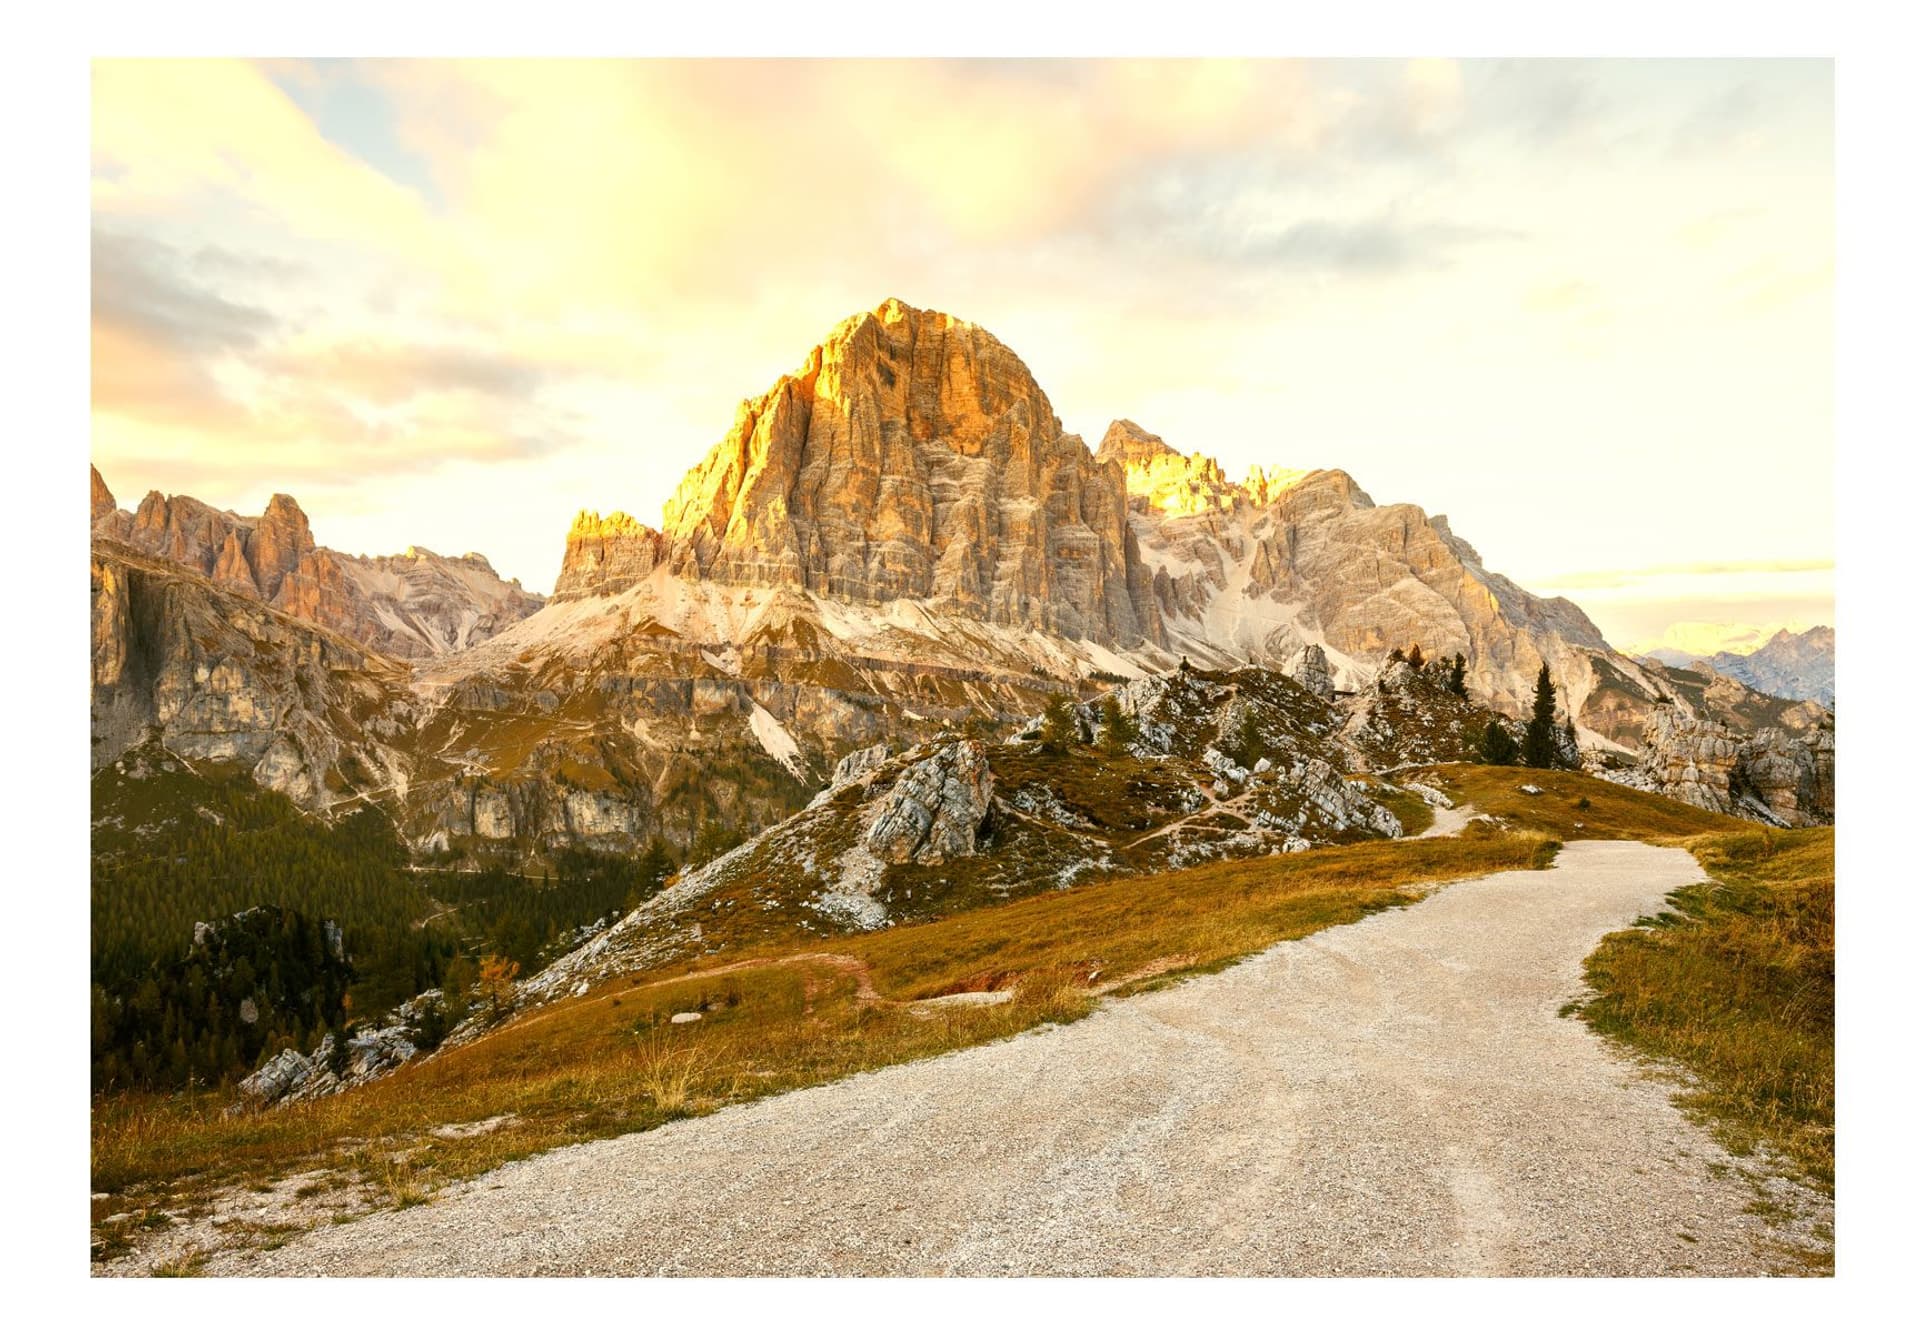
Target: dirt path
point(1447, 821)
point(1398, 1096)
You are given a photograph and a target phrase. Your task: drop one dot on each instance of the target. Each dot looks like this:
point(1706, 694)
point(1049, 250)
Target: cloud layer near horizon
point(1581, 307)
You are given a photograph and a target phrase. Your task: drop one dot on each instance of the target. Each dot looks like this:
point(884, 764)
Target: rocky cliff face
point(913, 458)
point(1771, 775)
point(415, 605)
point(222, 678)
point(103, 501)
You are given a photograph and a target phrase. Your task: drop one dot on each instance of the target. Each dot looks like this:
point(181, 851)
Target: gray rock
point(935, 808)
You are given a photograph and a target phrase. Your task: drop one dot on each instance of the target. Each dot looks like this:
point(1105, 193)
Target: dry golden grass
point(1572, 805)
point(1735, 984)
point(612, 1061)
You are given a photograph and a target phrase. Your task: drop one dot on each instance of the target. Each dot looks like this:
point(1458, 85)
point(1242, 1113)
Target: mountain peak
point(103, 501)
point(1127, 442)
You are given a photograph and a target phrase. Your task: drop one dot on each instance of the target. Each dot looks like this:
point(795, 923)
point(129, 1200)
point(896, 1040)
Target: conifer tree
point(1117, 730)
point(1059, 729)
point(1538, 747)
point(1457, 675)
point(1496, 744)
point(1415, 658)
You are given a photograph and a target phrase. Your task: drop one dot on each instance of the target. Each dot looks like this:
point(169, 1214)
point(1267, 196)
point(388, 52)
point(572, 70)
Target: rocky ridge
point(216, 677)
point(1224, 764)
point(415, 605)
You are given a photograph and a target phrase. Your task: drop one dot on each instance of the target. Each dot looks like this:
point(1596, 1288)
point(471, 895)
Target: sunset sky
point(1582, 308)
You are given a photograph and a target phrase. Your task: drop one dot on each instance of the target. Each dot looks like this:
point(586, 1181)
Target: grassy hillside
point(1735, 983)
point(179, 844)
point(1571, 805)
point(611, 1062)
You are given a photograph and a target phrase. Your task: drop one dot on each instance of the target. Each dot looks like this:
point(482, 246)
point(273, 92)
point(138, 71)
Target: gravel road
point(1398, 1096)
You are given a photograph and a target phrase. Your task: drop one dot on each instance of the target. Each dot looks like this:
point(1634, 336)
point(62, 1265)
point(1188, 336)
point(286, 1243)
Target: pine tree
point(1457, 676)
point(1415, 658)
point(1117, 730)
point(1496, 744)
point(1059, 729)
point(1538, 747)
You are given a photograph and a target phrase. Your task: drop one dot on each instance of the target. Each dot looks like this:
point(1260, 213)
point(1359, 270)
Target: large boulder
point(1786, 774)
point(935, 808)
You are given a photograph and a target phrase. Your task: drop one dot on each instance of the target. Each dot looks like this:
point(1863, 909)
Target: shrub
point(1497, 745)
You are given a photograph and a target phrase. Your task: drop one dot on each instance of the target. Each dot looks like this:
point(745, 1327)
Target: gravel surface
point(1447, 821)
point(1398, 1096)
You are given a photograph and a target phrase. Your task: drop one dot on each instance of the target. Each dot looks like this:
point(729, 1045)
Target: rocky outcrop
point(1165, 480)
point(1791, 777)
point(935, 809)
point(414, 605)
point(335, 1066)
point(1772, 775)
point(1691, 760)
point(607, 555)
point(1309, 668)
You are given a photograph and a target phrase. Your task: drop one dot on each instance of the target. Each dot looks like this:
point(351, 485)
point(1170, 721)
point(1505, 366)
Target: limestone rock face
point(935, 809)
point(911, 456)
point(1792, 777)
point(1168, 481)
point(607, 555)
point(1309, 668)
point(1692, 760)
point(414, 605)
point(858, 762)
point(216, 676)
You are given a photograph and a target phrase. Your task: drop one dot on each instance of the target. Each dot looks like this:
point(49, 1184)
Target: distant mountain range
point(1789, 665)
point(895, 542)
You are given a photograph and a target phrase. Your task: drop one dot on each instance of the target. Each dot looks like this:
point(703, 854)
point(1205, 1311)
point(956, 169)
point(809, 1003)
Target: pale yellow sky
point(1583, 308)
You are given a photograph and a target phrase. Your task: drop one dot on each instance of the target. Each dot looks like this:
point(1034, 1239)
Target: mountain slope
point(216, 676)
